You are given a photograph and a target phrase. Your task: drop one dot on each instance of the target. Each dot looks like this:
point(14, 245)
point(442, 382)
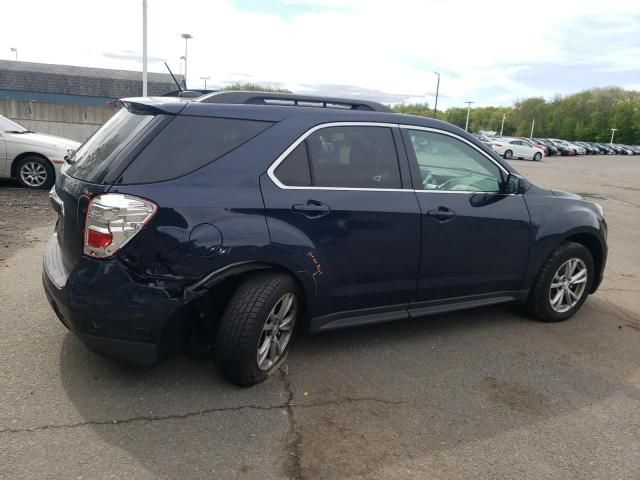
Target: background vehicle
point(536, 144)
point(271, 219)
point(553, 150)
point(517, 148)
point(32, 158)
point(570, 149)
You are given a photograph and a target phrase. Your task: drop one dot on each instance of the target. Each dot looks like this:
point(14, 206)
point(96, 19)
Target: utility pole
point(466, 126)
point(205, 81)
point(186, 37)
point(502, 126)
point(613, 131)
point(533, 124)
point(15, 50)
point(435, 108)
point(144, 48)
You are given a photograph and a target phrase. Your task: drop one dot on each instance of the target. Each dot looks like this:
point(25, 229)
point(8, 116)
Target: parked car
point(33, 159)
point(279, 215)
point(570, 149)
point(535, 144)
point(517, 148)
point(553, 150)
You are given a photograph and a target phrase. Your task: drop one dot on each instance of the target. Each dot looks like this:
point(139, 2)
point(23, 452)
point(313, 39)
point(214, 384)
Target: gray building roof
point(70, 80)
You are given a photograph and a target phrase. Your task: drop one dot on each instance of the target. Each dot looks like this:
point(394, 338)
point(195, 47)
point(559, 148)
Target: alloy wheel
point(568, 285)
point(33, 174)
point(277, 331)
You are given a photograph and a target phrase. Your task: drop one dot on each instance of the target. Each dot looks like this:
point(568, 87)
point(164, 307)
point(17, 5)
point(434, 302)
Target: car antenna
point(174, 78)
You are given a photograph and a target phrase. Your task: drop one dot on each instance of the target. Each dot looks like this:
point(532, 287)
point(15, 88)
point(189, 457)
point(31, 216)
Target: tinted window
point(354, 157)
point(294, 170)
point(187, 144)
point(447, 163)
point(92, 159)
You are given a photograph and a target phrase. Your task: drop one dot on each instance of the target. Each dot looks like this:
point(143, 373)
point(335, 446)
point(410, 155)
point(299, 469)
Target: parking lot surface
point(476, 394)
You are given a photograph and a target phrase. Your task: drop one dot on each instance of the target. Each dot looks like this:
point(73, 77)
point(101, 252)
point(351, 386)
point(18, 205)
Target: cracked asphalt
point(476, 394)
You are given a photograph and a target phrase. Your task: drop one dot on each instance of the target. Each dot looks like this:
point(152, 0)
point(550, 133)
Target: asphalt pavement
point(485, 393)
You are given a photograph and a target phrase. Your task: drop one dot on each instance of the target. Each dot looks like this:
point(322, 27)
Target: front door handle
point(311, 209)
point(442, 214)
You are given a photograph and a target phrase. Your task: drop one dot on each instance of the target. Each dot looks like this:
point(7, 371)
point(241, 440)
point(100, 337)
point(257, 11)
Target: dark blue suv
point(221, 224)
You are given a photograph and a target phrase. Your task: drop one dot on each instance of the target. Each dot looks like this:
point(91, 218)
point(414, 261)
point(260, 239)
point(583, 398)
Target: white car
point(34, 159)
point(516, 148)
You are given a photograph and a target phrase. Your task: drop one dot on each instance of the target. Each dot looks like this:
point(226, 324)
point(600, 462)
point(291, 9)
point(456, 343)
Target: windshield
point(7, 125)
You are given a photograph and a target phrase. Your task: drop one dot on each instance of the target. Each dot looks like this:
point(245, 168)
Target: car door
point(339, 198)
point(519, 149)
point(475, 239)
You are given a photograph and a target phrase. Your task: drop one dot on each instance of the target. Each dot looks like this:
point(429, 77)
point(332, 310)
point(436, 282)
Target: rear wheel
point(35, 173)
point(562, 284)
point(508, 154)
point(257, 327)
point(537, 157)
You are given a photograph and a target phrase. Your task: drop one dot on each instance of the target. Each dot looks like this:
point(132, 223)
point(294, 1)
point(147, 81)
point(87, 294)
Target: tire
point(539, 303)
point(508, 154)
point(35, 173)
point(537, 156)
point(242, 328)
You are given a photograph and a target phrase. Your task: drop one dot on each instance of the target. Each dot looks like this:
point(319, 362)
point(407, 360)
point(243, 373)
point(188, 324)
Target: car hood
point(42, 140)
point(558, 193)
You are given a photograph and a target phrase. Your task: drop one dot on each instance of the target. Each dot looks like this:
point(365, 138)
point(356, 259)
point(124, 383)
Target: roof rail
point(290, 99)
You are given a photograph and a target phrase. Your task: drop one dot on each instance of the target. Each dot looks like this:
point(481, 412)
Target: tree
point(587, 115)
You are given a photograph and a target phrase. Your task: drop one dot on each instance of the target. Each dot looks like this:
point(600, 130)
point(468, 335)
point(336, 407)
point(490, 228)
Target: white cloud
point(381, 46)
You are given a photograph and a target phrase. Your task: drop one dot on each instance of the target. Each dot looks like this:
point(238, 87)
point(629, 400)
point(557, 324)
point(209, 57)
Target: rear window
point(92, 160)
point(187, 144)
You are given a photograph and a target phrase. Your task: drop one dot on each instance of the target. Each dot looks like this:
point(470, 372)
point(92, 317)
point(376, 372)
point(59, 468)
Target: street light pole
point(15, 50)
point(186, 37)
point(502, 126)
point(533, 124)
point(181, 60)
point(144, 48)
point(205, 81)
point(435, 108)
point(466, 126)
point(613, 131)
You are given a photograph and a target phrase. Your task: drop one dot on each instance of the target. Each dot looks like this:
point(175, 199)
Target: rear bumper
point(109, 311)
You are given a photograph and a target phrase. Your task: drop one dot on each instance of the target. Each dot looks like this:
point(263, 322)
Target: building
point(66, 100)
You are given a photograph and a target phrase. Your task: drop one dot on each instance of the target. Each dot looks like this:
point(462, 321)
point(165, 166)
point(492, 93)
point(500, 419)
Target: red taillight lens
point(98, 238)
point(112, 220)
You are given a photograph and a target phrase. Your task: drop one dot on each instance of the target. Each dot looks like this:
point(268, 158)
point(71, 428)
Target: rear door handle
point(442, 214)
point(311, 209)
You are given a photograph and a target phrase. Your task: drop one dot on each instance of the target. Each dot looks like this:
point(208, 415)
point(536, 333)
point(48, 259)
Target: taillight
point(112, 220)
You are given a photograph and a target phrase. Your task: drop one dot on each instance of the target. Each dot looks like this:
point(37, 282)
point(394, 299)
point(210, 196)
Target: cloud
point(490, 51)
point(130, 55)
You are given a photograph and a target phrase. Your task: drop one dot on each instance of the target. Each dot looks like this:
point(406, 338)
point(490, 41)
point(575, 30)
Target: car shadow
point(408, 387)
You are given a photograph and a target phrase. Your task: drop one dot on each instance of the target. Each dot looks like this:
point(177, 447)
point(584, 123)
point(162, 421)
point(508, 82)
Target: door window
point(344, 157)
point(448, 164)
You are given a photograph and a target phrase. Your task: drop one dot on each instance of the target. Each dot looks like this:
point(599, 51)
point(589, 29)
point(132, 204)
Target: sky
point(490, 52)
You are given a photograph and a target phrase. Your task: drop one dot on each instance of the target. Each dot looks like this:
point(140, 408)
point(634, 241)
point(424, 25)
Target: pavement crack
point(293, 461)
point(141, 418)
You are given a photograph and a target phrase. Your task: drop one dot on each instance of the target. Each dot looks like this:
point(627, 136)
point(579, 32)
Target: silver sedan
point(34, 159)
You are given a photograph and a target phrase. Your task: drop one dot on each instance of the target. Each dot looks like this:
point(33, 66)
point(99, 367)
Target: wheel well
point(202, 315)
point(14, 164)
point(595, 248)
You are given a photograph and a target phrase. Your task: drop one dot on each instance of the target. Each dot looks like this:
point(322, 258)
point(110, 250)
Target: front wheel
point(537, 157)
point(35, 173)
point(257, 327)
point(562, 284)
point(508, 154)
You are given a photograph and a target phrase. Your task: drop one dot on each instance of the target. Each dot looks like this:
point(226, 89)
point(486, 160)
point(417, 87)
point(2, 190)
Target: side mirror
point(514, 184)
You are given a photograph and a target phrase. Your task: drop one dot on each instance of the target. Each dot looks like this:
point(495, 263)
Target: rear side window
point(92, 160)
point(343, 157)
point(294, 171)
point(187, 144)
